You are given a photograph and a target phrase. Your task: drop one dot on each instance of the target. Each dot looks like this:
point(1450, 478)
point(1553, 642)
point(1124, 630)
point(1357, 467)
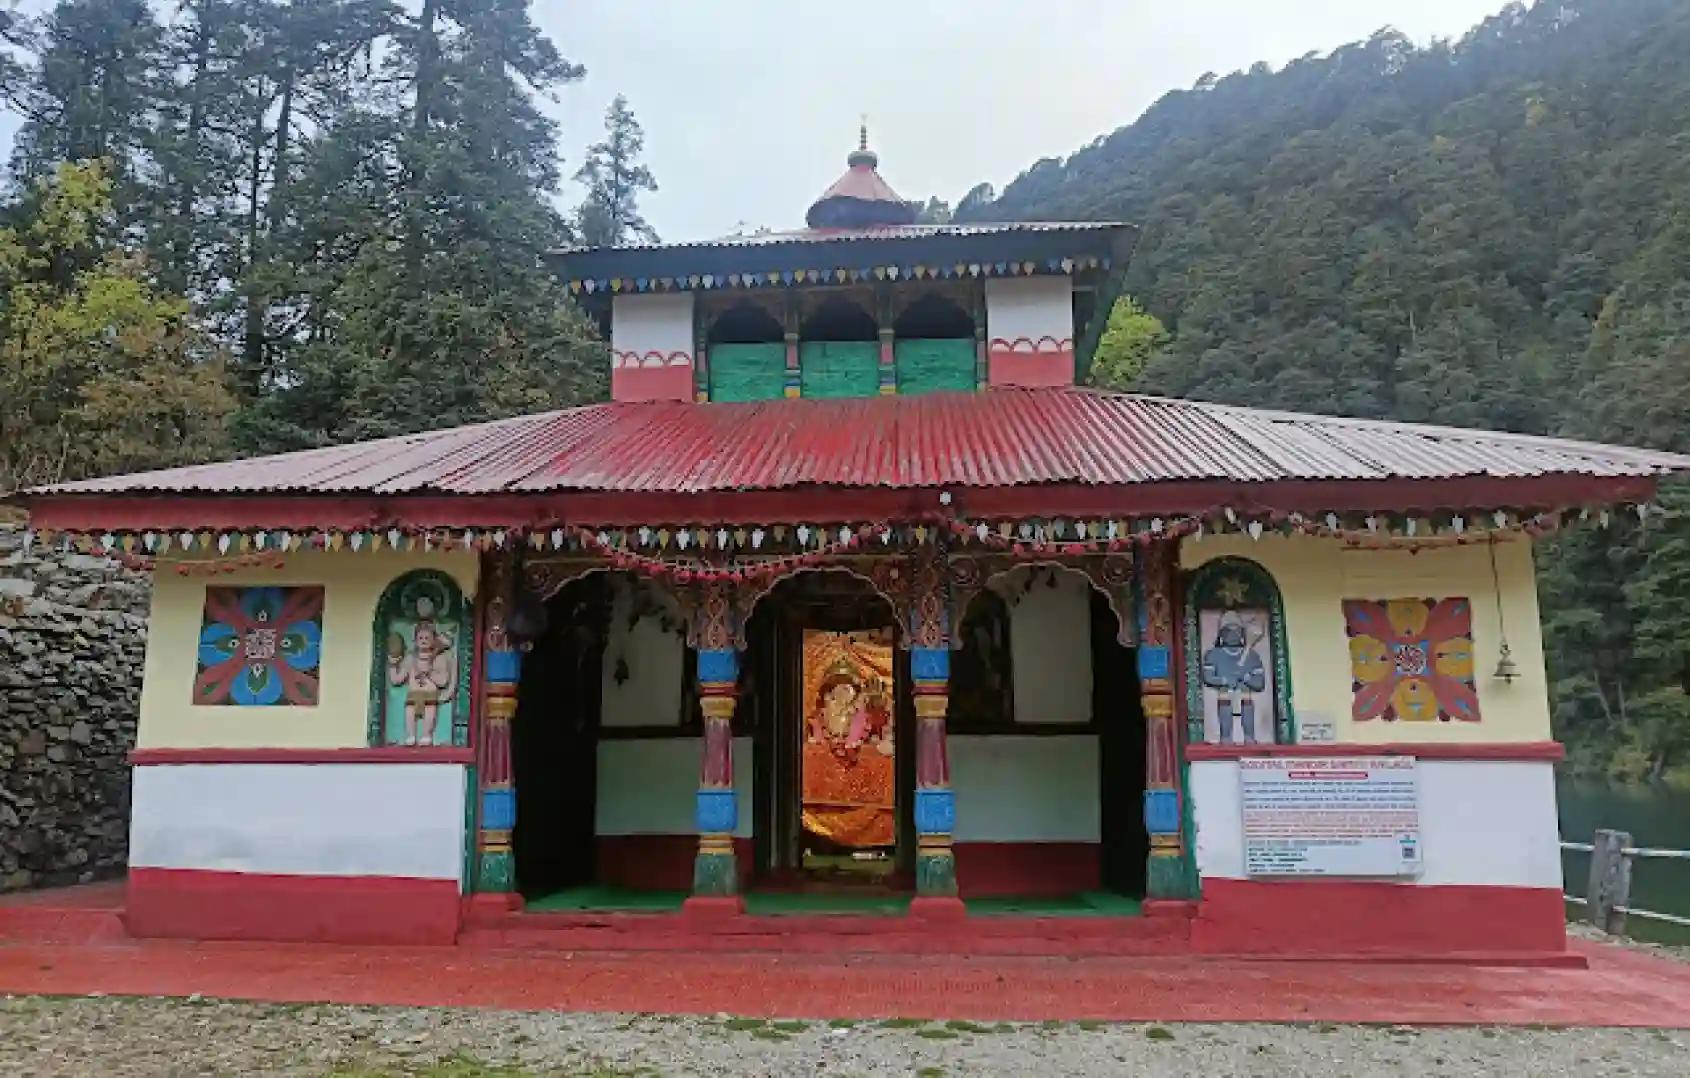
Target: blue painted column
point(930, 674)
point(495, 869)
point(715, 873)
point(935, 803)
point(1167, 875)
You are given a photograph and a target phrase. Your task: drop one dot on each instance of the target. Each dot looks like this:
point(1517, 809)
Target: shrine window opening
point(935, 347)
point(839, 350)
point(746, 353)
point(1238, 669)
point(424, 656)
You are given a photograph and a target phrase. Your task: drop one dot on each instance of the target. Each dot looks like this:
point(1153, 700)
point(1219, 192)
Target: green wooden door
point(928, 366)
point(839, 368)
point(747, 372)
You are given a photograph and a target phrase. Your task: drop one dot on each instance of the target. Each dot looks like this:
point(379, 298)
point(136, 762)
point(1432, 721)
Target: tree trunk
point(427, 92)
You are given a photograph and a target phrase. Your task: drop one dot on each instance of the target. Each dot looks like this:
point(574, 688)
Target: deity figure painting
point(260, 647)
point(846, 718)
point(1237, 676)
point(849, 777)
point(422, 696)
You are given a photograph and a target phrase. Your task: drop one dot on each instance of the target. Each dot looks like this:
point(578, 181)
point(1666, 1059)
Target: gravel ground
point(129, 1037)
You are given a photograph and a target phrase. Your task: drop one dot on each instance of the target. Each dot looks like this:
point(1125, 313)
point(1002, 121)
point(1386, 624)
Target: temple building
point(854, 600)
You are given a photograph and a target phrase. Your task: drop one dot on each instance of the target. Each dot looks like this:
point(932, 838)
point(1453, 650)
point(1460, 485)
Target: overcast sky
point(749, 106)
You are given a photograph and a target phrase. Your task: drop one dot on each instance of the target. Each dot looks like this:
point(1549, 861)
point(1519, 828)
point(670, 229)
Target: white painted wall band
point(301, 819)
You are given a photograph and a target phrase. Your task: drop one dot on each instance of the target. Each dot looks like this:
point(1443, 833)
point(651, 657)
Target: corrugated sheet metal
point(990, 439)
point(877, 232)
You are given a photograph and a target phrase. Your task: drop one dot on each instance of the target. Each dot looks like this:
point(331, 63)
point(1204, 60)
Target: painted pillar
point(495, 869)
point(1167, 874)
point(715, 874)
point(930, 675)
point(794, 385)
point(888, 363)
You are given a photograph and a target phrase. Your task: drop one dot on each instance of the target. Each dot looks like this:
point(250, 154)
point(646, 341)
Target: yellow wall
point(1315, 576)
point(352, 582)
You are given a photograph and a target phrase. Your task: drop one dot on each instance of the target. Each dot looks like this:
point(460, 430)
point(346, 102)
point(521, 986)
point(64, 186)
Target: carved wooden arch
point(1200, 590)
point(1111, 575)
point(545, 579)
point(887, 577)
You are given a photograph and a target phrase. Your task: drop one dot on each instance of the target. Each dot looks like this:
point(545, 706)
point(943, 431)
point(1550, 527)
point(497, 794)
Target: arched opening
point(745, 323)
point(933, 316)
point(935, 348)
point(1046, 736)
point(825, 698)
point(605, 744)
point(838, 318)
point(839, 350)
point(746, 352)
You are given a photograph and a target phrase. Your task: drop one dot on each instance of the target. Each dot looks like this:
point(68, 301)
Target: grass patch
point(1159, 1033)
point(770, 1034)
point(742, 1025)
point(937, 1033)
point(1090, 1025)
point(790, 1025)
point(841, 1023)
point(930, 1072)
point(903, 1023)
point(963, 1025)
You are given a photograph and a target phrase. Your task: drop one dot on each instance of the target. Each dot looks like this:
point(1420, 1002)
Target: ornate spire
point(862, 155)
point(860, 198)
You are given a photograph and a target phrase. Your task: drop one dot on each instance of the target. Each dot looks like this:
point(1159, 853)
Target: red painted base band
point(198, 904)
point(1027, 869)
point(665, 383)
point(657, 862)
point(1031, 370)
point(1490, 750)
point(1331, 917)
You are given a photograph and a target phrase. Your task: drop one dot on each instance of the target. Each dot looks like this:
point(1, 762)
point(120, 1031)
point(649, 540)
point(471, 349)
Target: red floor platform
point(37, 956)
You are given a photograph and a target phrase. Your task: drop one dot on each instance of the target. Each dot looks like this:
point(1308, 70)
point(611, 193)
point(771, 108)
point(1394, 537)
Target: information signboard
point(1331, 816)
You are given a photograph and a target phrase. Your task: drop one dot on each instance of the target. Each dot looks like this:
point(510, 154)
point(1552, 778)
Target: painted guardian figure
point(426, 667)
point(1233, 667)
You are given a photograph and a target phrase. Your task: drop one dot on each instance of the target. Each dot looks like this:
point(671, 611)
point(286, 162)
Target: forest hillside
point(1492, 232)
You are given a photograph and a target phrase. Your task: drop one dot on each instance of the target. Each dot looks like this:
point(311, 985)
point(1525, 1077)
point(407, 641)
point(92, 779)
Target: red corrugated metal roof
point(1001, 438)
point(871, 232)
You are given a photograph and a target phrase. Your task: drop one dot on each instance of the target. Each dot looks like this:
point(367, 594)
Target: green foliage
point(1131, 337)
point(355, 198)
point(614, 177)
point(1491, 232)
point(98, 372)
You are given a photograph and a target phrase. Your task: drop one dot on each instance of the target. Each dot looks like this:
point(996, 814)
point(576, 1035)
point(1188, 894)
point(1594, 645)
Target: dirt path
point(128, 1038)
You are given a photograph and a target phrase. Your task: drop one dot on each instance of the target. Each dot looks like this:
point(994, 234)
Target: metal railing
point(1607, 896)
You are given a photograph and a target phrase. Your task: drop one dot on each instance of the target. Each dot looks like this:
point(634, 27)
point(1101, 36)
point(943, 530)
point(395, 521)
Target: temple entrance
point(829, 705)
point(847, 766)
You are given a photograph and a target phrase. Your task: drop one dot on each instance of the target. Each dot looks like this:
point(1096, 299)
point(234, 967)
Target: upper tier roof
point(958, 441)
point(860, 197)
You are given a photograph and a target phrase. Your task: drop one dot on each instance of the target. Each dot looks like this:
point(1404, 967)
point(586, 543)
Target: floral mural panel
point(1412, 660)
point(260, 647)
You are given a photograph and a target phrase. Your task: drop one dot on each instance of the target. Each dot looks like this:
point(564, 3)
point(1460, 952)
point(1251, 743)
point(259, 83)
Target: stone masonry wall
point(72, 635)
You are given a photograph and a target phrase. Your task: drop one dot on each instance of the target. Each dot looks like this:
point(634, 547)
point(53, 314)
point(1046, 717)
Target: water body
point(1656, 816)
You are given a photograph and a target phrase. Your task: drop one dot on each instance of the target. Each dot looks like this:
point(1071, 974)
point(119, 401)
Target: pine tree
point(447, 312)
point(614, 178)
point(92, 93)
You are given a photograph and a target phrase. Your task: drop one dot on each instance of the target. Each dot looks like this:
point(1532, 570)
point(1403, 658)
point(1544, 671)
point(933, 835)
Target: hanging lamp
point(1506, 668)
